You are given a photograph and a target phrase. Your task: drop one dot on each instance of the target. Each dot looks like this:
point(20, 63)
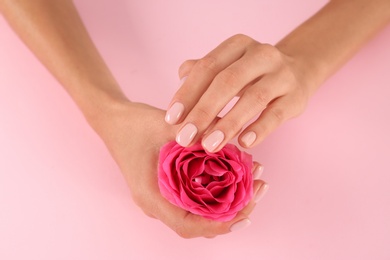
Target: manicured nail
point(261, 192)
point(248, 138)
point(257, 174)
point(186, 134)
point(240, 225)
point(213, 140)
point(174, 113)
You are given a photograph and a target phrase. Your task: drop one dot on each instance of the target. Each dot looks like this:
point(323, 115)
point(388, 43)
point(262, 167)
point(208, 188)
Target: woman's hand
point(263, 77)
point(269, 81)
point(134, 134)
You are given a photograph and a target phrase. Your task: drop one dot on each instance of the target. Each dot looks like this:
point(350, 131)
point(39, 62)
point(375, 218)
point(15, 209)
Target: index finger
point(202, 74)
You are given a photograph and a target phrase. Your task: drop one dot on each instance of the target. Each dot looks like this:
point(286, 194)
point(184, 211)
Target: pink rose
point(213, 185)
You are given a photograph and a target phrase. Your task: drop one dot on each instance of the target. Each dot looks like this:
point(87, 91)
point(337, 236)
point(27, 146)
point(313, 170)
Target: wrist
point(309, 74)
point(101, 104)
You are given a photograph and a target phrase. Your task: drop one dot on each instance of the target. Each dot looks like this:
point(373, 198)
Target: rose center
point(205, 179)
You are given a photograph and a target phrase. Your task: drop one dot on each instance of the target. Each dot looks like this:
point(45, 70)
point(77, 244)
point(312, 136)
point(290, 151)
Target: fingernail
point(186, 134)
point(240, 225)
point(248, 138)
point(213, 140)
point(261, 192)
point(174, 113)
point(257, 174)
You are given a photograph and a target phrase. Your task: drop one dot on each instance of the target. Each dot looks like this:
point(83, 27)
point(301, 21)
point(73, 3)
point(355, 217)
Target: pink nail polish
point(174, 113)
point(213, 140)
point(248, 138)
point(261, 192)
point(240, 225)
point(257, 174)
point(186, 134)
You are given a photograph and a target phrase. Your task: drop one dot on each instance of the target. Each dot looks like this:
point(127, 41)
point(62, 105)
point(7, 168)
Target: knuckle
point(262, 131)
point(208, 63)
point(297, 100)
point(241, 39)
point(232, 126)
point(185, 67)
point(147, 213)
point(182, 232)
point(268, 52)
point(278, 113)
point(138, 199)
point(204, 114)
point(229, 77)
point(300, 106)
point(287, 82)
point(299, 111)
point(261, 97)
point(288, 76)
point(142, 202)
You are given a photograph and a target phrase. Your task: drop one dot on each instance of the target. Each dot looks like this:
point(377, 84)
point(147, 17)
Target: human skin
point(276, 81)
point(134, 132)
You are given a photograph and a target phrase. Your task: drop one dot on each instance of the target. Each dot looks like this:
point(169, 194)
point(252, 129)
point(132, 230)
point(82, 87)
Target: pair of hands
point(267, 84)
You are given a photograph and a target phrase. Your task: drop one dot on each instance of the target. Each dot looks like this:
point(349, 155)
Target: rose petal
point(213, 185)
point(214, 167)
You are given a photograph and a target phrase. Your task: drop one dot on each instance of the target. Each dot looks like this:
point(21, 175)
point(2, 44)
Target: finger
point(259, 187)
point(255, 166)
point(257, 170)
point(186, 67)
point(272, 117)
point(252, 203)
point(186, 224)
point(226, 85)
point(176, 109)
point(253, 101)
point(149, 214)
point(242, 218)
point(260, 192)
point(202, 74)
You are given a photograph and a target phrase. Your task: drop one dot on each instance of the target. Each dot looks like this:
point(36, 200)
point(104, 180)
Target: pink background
point(63, 197)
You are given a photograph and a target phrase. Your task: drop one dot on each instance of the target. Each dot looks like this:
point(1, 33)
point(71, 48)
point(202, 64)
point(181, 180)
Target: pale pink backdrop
point(63, 197)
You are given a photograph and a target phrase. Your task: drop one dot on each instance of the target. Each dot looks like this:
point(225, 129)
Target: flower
point(213, 185)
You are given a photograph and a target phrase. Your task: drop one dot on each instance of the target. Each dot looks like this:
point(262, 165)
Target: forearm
point(54, 32)
point(328, 39)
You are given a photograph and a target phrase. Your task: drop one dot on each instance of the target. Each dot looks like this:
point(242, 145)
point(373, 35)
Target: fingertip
point(240, 225)
point(186, 135)
point(261, 192)
point(186, 67)
point(248, 139)
point(255, 165)
point(174, 113)
point(213, 141)
point(253, 135)
point(258, 172)
point(176, 109)
point(270, 119)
